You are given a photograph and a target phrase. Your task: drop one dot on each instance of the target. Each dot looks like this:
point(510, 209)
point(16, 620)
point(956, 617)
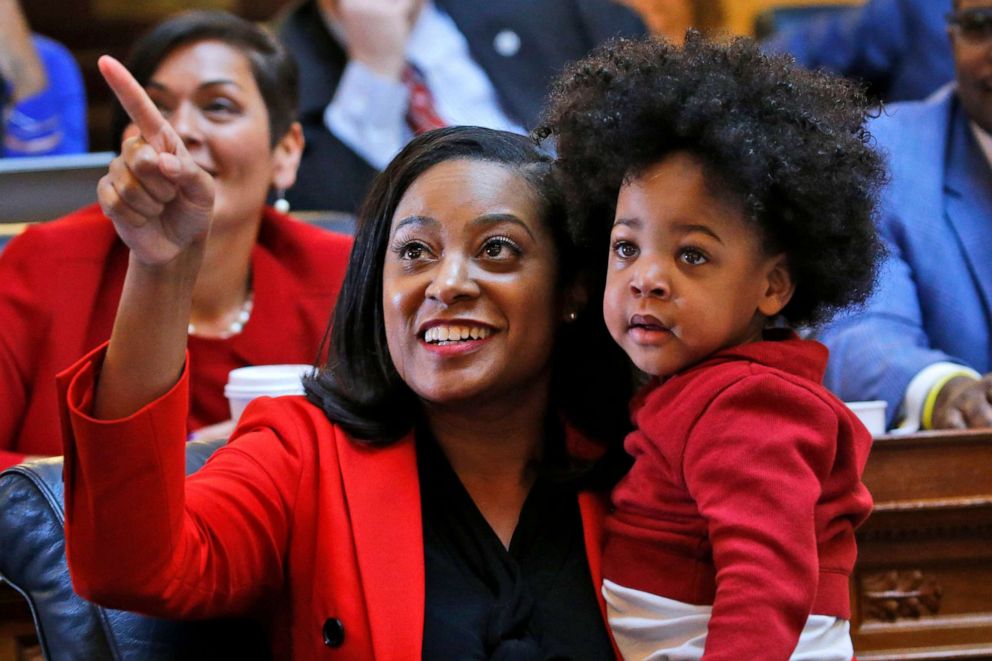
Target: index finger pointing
point(139, 107)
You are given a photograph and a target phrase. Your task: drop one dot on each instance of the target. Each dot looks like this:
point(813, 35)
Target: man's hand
point(964, 403)
point(377, 32)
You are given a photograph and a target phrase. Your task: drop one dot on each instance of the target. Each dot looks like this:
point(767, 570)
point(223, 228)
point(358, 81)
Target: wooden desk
point(922, 588)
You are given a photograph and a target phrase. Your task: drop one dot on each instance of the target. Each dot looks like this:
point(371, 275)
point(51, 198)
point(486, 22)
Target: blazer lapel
point(301, 317)
point(968, 203)
point(383, 496)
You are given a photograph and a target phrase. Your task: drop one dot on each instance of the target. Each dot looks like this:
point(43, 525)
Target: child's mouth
point(647, 322)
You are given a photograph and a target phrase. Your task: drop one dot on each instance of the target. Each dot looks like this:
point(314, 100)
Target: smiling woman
point(224, 91)
point(491, 267)
point(465, 229)
point(434, 498)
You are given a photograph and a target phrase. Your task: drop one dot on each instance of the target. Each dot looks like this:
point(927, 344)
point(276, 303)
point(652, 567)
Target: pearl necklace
point(236, 326)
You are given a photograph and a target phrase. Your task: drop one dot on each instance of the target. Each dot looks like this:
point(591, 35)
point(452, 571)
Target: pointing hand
point(160, 201)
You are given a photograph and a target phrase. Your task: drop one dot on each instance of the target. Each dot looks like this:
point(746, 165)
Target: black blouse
point(533, 601)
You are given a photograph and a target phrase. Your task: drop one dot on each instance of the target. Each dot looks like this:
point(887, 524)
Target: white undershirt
point(648, 627)
point(368, 111)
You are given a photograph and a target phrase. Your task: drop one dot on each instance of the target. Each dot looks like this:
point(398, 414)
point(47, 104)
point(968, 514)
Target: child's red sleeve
point(754, 463)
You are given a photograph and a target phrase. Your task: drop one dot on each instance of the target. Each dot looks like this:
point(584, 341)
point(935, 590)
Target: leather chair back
point(32, 561)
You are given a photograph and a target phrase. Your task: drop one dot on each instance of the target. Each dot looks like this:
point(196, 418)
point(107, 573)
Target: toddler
point(741, 191)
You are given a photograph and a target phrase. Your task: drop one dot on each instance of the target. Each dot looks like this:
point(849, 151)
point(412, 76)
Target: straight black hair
point(272, 66)
point(358, 386)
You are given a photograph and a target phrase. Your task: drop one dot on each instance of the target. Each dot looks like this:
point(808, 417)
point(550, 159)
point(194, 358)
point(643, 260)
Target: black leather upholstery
point(32, 560)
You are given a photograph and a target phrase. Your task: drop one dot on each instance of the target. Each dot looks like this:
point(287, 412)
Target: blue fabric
point(934, 296)
point(900, 47)
point(53, 121)
point(4, 98)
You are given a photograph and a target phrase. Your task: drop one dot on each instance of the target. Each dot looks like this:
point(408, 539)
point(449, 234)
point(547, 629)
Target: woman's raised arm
point(161, 204)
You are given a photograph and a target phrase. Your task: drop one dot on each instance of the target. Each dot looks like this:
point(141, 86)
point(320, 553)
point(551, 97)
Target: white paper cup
point(871, 414)
point(246, 383)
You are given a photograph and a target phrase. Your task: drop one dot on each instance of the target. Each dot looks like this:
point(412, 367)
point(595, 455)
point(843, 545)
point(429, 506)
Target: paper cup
point(246, 383)
point(871, 414)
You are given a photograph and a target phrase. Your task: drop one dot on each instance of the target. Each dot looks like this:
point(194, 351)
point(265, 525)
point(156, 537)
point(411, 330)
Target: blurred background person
point(267, 281)
point(21, 68)
point(376, 72)
point(44, 111)
point(671, 18)
point(924, 341)
point(899, 47)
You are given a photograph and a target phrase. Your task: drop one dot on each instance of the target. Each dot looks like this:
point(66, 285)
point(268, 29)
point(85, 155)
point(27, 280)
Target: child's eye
point(693, 257)
point(625, 249)
point(500, 247)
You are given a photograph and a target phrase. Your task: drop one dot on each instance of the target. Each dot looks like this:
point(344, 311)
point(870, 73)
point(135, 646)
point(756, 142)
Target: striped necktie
point(421, 115)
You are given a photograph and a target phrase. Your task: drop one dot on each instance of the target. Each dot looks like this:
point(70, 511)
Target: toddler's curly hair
point(786, 144)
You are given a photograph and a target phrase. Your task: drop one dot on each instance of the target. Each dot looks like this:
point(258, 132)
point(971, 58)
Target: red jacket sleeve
point(754, 463)
point(140, 536)
point(23, 320)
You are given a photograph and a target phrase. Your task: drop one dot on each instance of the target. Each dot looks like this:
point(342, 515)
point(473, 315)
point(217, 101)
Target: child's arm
point(754, 463)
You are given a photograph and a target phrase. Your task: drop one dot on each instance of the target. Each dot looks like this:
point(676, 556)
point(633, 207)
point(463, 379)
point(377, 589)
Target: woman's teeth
point(438, 334)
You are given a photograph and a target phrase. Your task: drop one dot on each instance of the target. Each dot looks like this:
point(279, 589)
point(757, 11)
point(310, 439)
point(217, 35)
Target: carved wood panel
point(922, 588)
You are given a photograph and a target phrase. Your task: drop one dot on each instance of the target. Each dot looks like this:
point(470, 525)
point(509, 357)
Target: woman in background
point(263, 292)
point(669, 19)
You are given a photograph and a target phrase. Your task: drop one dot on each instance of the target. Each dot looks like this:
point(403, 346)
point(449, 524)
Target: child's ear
point(779, 287)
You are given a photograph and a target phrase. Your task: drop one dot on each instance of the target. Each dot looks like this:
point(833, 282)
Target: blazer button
point(333, 632)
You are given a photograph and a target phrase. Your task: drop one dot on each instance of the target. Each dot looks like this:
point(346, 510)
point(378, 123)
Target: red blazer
point(292, 521)
point(60, 283)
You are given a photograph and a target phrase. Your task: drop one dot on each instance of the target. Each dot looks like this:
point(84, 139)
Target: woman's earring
point(571, 316)
point(281, 204)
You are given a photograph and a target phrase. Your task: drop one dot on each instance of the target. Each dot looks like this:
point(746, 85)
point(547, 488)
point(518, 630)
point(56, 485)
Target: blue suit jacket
point(900, 47)
point(934, 296)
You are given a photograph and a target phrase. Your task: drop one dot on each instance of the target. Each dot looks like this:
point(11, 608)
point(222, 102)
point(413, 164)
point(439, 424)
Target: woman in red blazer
point(263, 291)
point(429, 497)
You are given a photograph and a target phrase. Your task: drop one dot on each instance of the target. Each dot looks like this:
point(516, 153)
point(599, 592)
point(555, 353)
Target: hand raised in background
point(377, 32)
point(159, 199)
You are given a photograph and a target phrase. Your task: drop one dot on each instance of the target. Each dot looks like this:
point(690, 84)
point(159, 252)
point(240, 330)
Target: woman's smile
point(456, 337)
